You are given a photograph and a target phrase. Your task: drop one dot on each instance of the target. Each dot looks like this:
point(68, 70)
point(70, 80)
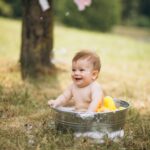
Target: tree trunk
point(37, 39)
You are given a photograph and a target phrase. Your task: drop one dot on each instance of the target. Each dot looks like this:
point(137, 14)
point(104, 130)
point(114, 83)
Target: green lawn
point(25, 119)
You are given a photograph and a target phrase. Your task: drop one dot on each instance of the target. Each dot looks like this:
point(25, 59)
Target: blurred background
point(101, 16)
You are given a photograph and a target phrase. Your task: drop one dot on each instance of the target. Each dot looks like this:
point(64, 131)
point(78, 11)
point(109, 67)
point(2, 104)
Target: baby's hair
point(92, 57)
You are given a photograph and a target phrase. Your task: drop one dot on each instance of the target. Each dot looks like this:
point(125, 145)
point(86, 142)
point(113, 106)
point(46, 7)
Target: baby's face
point(83, 73)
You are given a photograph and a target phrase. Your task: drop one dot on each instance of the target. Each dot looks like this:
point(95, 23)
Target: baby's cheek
point(72, 76)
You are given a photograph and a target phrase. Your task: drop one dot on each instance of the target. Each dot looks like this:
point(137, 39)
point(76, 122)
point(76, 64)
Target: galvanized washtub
point(67, 119)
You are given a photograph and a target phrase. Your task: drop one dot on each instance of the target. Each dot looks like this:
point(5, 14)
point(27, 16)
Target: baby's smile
point(78, 78)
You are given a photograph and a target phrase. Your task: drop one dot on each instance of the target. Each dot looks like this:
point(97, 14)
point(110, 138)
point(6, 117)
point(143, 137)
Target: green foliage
point(129, 8)
point(10, 8)
point(144, 7)
point(101, 15)
point(136, 12)
point(141, 21)
point(5, 9)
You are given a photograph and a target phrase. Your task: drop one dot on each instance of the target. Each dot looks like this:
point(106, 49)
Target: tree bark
point(37, 39)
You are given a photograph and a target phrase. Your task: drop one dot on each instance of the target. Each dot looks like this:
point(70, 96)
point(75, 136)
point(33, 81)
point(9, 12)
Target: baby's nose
point(76, 72)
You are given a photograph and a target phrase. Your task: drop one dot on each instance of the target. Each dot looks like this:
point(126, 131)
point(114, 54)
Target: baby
point(85, 92)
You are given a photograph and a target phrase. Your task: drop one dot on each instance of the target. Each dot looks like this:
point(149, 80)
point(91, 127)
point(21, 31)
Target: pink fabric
point(81, 4)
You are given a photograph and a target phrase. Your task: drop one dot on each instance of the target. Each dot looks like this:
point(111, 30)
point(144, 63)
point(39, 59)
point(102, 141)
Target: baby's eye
point(82, 70)
point(73, 70)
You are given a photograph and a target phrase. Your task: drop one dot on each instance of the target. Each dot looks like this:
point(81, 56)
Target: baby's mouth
point(78, 79)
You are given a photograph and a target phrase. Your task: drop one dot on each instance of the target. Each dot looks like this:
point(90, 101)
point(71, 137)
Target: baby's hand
point(52, 103)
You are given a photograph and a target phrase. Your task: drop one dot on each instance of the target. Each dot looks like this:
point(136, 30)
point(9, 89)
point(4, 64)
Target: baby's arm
point(97, 97)
point(62, 99)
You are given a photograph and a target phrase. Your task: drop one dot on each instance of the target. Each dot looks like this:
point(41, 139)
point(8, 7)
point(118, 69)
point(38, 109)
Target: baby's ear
point(95, 74)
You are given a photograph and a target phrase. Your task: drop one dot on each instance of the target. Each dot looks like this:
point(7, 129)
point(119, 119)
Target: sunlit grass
point(25, 119)
point(10, 31)
point(111, 47)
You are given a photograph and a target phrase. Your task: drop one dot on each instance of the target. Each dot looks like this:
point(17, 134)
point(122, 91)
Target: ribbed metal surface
point(103, 121)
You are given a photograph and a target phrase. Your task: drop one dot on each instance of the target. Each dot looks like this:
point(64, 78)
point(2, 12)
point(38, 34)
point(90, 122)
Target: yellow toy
point(108, 105)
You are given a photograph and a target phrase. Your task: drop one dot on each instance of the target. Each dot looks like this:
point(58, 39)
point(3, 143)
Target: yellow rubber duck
point(108, 105)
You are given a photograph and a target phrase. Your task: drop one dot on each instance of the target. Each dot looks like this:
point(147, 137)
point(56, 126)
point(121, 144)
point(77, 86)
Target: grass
point(26, 121)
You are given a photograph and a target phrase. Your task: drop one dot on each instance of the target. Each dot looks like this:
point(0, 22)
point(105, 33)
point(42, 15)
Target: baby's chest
point(82, 95)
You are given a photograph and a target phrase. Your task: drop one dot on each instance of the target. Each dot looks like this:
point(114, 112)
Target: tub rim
point(95, 113)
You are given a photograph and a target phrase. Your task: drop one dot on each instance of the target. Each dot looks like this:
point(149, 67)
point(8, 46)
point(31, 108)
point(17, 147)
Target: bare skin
point(84, 91)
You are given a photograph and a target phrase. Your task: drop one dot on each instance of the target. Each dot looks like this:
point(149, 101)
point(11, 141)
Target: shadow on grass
point(19, 98)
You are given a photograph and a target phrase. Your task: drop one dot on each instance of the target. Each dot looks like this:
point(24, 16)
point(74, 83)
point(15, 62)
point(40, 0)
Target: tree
point(37, 39)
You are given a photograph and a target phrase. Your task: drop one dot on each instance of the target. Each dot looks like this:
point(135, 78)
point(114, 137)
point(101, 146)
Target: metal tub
point(91, 122)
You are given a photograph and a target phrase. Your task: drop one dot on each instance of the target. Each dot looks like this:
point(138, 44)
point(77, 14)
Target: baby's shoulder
point(70, 87)
point(95, 85)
